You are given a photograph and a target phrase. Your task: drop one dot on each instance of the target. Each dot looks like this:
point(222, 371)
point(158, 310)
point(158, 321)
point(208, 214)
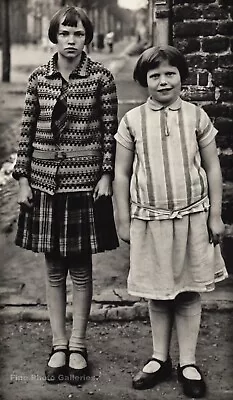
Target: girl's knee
point(160, 305)
point(80, 270)
point(56, 270)
point(188, 303)
point(187, 297)
point(81, 278)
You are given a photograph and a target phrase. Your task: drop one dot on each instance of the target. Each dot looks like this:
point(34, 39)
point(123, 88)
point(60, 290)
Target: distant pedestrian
point(109, 38)
point(65, 169)
point(168, 190)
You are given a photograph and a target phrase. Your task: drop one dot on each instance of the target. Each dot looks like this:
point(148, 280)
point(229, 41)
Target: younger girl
point(168, 192)
point(65, 168)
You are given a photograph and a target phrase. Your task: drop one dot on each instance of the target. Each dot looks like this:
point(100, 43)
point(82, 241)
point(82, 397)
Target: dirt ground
point(116, 351)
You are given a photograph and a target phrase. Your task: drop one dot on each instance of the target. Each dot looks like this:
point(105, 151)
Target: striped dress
point(169, 200)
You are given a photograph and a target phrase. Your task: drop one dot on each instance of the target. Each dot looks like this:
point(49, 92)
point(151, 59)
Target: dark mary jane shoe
point(193, 388)
point(145, 380)
point(56, 374)
point(78, 376)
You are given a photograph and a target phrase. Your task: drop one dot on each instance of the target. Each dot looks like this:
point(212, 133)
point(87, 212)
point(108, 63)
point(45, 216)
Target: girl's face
point(164, 83)
point(71, 40)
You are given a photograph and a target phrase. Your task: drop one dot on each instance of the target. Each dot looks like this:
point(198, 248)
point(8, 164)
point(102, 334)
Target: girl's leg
point(80, 268)
point(56, 273)
point(158, 369)
point(161, 319)
point(188, 318)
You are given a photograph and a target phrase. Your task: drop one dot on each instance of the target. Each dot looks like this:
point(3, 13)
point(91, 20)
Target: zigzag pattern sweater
point(92, 123)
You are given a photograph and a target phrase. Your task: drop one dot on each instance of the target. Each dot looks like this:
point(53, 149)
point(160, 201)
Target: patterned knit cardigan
point(92, 123)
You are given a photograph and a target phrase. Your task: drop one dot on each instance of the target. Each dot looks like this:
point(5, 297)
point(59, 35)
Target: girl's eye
point(63, 33)
point(155, 76)
point(79, 34)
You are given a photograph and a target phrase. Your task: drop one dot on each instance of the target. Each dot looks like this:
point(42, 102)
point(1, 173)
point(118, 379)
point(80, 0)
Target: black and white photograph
point(116, 199)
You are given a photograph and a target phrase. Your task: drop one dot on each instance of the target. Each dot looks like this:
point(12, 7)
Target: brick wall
point(203, 31)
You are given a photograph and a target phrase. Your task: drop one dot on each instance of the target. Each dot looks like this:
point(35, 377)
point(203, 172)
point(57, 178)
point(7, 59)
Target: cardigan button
point(60, 155)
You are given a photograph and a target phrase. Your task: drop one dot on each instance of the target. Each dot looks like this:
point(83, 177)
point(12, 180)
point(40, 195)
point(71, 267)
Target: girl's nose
point(71, 38)
point(162, 80)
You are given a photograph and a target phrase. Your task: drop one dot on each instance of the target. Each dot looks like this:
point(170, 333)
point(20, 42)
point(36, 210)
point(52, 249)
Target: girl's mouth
point(164, 90)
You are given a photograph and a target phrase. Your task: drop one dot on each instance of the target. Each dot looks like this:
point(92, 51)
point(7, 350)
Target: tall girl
point(65, 168)
point(168, 190)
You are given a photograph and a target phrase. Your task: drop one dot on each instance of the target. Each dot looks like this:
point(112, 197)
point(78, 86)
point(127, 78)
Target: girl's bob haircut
point(153, 57)
point(69, 16)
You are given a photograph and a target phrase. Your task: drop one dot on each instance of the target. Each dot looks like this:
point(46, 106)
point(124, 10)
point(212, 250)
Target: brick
point(225, 135)
point(141, 310)
point(98, 315)
point(208, 61)
point(225, 61)
point(225, 3)
point(226, 163)
point(197, 28)
point(197, 93)
point(162, 14)
point(227, 205)
point(228, 253)
point(225, 28)
point(216, 110)
point(214, 11)
point(183, 12)
point(224, 141)
point(187, 45)
point(127, 313)
point(192, 78)
point(226, 94)
point(215, 44)
point(112, 314)
point(203, 78)
point(222, 77)
point(227, 212)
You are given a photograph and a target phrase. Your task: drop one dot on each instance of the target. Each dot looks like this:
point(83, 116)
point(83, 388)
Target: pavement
point(116, 350)
point(110, 303)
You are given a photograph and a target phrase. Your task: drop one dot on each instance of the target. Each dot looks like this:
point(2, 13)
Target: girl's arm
point(210, 162)
point(28, 128)
point(123, 172)
point(109, 122)
point(108, 107)
point(103, 187)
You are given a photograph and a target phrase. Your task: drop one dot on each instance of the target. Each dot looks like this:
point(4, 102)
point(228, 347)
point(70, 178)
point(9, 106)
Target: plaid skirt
point(67, 223)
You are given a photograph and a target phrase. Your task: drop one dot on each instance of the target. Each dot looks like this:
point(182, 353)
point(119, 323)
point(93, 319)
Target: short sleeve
point(124, 134)
point(206, 131)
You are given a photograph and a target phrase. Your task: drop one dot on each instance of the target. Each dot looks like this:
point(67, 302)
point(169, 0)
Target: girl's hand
point(216, 229)
point(124, 231)
point(25, 196)
point(103, 187)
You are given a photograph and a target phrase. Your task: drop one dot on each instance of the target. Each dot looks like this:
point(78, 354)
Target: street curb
point(100, 312)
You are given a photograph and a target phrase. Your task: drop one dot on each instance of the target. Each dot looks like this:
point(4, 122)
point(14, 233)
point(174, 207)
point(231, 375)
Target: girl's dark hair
point(71, 16)
point(152, 58)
